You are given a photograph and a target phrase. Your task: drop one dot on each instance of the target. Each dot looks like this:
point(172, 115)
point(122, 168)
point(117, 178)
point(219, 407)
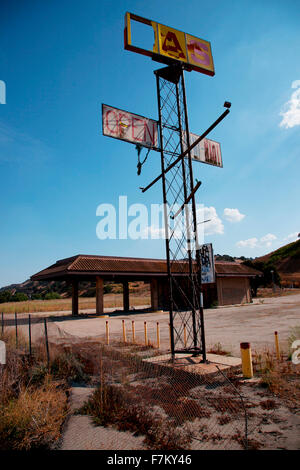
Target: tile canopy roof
point(91, 265)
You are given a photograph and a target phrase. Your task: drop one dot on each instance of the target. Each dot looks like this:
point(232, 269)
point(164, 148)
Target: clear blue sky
point(60, 59)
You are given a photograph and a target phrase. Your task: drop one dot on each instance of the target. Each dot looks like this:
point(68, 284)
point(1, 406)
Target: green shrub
point(5, 296)
point(19, 297)
point(51, 296)
point(67, 366)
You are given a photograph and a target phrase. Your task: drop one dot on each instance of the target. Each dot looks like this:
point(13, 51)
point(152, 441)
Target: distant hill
point(86, 288)
point(287, 262)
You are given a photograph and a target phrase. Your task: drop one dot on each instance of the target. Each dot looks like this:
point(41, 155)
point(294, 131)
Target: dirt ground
point(229, 326)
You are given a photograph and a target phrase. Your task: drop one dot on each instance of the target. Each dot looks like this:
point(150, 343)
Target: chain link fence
point(138, 389)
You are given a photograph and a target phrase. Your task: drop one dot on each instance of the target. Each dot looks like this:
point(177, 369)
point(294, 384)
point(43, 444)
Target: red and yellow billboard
point(171, 44)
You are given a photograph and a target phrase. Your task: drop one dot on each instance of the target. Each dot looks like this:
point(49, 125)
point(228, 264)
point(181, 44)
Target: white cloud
point(250, 243)
point(268, 239)
point(296, 84)
point(254, 242)
point(214, 226)
point(291, 110)
point(233, 215)
point(153, 232)
point(292, 237)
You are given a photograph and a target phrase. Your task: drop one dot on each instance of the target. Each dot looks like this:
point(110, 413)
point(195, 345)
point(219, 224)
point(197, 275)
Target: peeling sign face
point(2, 352)
point(129, 127)
point(171, 44)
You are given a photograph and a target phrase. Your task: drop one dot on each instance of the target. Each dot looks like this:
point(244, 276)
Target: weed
point(224, 419)
point(218, 349)
point(33, 420)
point(268, 404)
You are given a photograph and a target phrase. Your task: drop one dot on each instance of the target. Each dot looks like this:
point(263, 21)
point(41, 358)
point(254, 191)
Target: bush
point(37, 297)
point(19, 297)
point(33, 420)
point(107, 288)
point(52, 295)
point(5, 296)
point(67, 366)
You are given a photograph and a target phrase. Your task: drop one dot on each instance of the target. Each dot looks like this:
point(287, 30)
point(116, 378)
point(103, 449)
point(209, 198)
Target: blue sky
point(61, 59)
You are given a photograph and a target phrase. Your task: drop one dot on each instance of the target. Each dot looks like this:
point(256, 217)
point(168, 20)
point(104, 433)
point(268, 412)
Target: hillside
point(86, 288)
point(286, 260)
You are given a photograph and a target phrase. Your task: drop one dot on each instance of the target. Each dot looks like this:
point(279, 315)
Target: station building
point(231, 286)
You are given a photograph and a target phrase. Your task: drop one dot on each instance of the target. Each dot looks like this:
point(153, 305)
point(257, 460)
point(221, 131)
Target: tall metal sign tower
point(172, 138)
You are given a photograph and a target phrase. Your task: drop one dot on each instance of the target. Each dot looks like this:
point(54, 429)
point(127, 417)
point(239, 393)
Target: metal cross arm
point(187, 200)
point(197, 141)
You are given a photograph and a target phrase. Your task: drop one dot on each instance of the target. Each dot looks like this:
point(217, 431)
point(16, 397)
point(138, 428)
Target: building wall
point(226, 291)
point(233, 290)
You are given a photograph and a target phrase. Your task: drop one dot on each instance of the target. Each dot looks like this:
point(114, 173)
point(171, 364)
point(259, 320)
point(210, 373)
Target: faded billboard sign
point(170, 43)
point(207, 263)
point(207, 151)
point(129, 127)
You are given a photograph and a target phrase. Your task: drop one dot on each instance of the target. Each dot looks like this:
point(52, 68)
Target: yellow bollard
point(157, 335)
point(133, 331)
point(146, 335)
point(184, 335)
point(107, 332)
point(247, 368)
point(124, 331)
point(277, 345)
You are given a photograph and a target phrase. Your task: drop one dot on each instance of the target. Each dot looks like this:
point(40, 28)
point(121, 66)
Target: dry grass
point(85, 303)
point(33, 396)
point(266, 292)
point(33, 420)
point(279, 376)
point(218, 349)
point(113, 405)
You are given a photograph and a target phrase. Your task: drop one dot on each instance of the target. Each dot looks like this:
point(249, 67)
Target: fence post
point(157, 335)
point(29, 333)
point(46, 341)
point(246, 356)
point(277, 345)
point(16, 326)
point(184, 335)
point(124, 331)
point(2, 323)
point(146, 335)
point(133, 331)
point(107, 333)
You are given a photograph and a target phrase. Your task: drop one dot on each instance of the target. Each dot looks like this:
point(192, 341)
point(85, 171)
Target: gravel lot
point(229, 326)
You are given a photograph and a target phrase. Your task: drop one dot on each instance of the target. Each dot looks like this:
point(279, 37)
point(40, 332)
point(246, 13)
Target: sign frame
point(199, 148)
point(156, 54)
point(156, 148)
point(211, 273)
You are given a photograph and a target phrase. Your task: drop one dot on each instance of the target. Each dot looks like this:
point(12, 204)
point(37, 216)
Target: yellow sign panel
point(199, 52)
point(171, 44)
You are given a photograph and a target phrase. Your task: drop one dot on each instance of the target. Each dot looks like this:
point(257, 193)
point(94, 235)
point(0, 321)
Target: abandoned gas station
point(231, 286)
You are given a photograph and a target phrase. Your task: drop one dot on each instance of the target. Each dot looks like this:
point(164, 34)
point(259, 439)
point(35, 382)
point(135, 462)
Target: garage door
point(234, 291)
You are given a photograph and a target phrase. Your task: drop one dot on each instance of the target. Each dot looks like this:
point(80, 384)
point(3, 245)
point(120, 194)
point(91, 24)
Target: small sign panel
point(172, 44)
point(2, 352)
point(207, 264)
point(207, 151)
point(129, 127)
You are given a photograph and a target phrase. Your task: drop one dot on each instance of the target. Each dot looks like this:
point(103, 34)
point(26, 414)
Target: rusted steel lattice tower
point(182, 253)
point(170, 136)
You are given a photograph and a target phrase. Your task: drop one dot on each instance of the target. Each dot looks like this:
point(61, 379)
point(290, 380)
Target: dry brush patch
point(33, 419)
point(34, 397)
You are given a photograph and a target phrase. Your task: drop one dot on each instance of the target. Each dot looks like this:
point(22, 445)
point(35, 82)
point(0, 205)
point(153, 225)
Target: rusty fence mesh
point(139, 390)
